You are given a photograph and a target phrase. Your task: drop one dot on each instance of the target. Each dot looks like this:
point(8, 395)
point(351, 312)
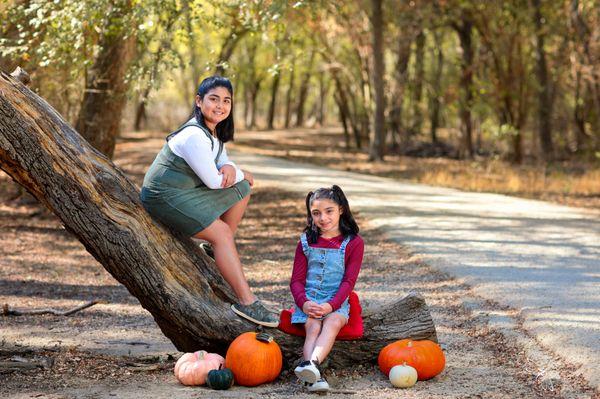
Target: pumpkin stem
point(264, 337)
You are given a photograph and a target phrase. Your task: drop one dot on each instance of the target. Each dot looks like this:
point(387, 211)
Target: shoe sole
point(262, 323)
point(318, 390)
point(306, 375)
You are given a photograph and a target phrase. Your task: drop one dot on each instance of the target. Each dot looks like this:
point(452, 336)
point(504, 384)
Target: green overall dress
point(173, 194)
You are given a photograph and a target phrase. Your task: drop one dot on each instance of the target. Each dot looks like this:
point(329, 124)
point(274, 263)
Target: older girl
point(194, 188)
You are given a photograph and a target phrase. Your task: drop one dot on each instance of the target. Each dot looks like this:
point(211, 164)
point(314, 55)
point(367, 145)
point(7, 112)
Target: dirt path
point(87, 355)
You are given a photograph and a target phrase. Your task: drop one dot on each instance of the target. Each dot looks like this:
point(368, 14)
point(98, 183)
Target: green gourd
point(220, 379)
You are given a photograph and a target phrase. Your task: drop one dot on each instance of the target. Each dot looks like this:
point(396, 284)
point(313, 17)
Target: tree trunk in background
point(105, 93)
point(189, 26)
point(581, 137)
point(323, 90)
point(397, 130)
point(589, 61)
point(545, 102)
point(247, 100)
point(288, 99)
point(141, 118)
point(437, 87)
point(465, 35)
point(377, 144)
point(345, 107)
point(169, 275)
point(254, 89)
point(343, 119)
point(229, 45)
point(304, 84)
point(273, 103)
point(417, 122)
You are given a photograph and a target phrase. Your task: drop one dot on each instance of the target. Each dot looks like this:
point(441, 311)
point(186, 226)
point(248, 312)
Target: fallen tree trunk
point(167, 273)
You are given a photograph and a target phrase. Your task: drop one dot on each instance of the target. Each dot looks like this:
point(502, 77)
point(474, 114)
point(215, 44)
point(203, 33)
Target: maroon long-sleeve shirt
point(352, 261)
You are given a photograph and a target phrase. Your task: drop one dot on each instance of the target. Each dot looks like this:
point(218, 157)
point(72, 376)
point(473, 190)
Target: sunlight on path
point(539, 258)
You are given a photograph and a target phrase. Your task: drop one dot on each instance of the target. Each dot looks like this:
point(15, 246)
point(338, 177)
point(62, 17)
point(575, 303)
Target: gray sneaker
point(256, 313)
point(308, 371)
point(319, 387)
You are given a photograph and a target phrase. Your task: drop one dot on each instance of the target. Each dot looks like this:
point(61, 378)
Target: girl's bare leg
point(332, 325)
point(219, 234)
point(313, 328)
point(234, 215)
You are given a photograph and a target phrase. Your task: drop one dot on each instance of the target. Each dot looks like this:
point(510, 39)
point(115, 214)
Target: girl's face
point(215, 106)
point(326, 215)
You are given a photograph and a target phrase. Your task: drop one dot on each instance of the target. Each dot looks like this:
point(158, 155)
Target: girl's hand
point(248, 176)
point(312, 309)
point(326, 308)
point(228, 173)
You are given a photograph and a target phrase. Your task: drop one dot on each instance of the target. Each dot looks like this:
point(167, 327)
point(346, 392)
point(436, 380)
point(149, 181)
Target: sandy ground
point(115, 349)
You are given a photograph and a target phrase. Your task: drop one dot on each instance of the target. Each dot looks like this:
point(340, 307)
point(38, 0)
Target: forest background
point(511, 85)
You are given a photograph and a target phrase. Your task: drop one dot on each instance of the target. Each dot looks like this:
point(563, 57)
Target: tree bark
point(437, 87)
point(166, 272)
point(417, 122)
point(396, 126)
point(288, 99)
point(465, 34)
point(377, 144)
point(343, 118)
point(545, 102)
point(303, 92)
point(229, 46)
point(273, 103)
point(105, 93)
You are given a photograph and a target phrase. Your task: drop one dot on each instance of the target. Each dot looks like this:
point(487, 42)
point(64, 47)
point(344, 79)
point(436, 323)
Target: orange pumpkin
point(425, 356)
point(192, 368)
point(254, 359)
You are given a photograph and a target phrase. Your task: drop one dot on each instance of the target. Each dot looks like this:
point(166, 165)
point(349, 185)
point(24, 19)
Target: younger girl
point(326, 265)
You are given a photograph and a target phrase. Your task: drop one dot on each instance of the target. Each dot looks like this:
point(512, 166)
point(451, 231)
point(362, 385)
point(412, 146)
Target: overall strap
point(218, 152)
point(345, 243)
point(305, 247)
point(196, 124)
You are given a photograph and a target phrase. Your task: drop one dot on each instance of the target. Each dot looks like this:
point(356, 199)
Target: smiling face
point(215, 106)
point(326, 215)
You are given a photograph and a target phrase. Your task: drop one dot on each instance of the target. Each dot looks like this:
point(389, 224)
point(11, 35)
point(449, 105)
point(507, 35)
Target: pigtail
point(311, 229)
point(348, 225)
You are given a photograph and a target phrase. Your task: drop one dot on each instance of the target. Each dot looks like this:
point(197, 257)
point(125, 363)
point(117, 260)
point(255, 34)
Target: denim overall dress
point(325, 271)
point(176, 196)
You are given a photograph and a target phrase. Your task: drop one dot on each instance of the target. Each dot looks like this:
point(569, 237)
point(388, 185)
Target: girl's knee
point(335, 321)
point(312, 327)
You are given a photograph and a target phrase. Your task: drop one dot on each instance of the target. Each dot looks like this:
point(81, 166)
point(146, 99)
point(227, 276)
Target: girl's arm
point(224, 160)
point(195, 149)
point(298, 280)
point(353, 262)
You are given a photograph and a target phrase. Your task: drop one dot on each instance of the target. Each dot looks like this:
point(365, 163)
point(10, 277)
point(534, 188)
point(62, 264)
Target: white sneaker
point(308, 371)
point(320, 386)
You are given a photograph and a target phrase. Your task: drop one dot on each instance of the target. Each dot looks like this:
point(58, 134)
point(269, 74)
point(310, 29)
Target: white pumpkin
point(403, 376)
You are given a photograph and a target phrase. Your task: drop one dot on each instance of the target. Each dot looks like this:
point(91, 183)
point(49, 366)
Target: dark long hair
point(348, 225)
point(225, 128)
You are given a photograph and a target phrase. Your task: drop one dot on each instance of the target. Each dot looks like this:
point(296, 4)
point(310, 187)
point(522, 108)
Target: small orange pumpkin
point(425, 356)
point(192, 368)
point(254, 358)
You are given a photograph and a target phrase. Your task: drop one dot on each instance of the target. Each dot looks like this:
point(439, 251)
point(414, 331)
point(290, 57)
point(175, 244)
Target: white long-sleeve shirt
point(194, 146)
